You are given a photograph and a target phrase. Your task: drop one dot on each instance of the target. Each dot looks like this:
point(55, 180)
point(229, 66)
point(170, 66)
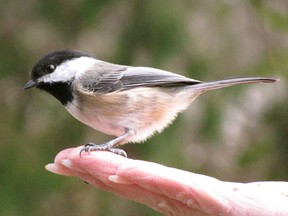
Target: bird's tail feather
point(205, 86)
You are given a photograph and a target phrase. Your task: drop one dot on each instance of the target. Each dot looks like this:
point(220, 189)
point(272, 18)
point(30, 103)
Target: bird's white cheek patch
point(69, 69)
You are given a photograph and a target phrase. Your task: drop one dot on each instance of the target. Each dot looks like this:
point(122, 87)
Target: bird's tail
point(205, 86)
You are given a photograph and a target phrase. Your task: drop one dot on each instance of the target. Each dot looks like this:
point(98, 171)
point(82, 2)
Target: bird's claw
point(101, 147)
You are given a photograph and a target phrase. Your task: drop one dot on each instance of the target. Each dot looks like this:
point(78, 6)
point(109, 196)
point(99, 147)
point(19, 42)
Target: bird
point(131, 103)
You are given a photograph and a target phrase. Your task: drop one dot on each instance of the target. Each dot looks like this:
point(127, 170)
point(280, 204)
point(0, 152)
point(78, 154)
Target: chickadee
point(131, 103)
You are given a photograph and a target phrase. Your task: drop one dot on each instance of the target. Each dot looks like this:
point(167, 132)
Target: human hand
point(171, 191)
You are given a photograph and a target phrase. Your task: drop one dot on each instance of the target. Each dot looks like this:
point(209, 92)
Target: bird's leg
point(108, 146)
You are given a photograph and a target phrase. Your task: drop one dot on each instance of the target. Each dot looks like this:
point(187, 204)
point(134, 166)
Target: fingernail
point(54, 168)
point(67, 163)
point(119, 180)
point(71, 166)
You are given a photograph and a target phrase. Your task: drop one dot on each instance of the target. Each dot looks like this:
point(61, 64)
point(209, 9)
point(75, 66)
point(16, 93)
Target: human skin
point(171, 191)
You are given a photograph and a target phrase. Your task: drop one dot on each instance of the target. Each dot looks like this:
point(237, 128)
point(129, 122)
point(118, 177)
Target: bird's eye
point(50, 68)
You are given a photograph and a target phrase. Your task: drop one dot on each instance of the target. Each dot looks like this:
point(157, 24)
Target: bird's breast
point(95, 116)
point(141, 110)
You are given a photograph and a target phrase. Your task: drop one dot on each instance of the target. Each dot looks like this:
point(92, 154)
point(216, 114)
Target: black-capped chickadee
point(131, 103)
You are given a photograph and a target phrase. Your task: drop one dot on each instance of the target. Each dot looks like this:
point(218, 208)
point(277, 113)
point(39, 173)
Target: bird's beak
point(30, 84)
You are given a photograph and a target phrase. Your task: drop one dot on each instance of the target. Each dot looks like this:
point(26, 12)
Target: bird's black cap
point(42, 67)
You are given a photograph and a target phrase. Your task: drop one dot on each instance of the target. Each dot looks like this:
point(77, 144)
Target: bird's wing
point(106, 77)
point(151, 77)
point(102, 77)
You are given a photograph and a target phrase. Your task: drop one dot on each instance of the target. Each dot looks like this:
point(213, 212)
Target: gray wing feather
point(151, 77)
point(103, 77)
point(106, 77)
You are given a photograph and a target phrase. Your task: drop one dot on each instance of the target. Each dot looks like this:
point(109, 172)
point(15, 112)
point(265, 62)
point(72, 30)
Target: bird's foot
point(102, 147)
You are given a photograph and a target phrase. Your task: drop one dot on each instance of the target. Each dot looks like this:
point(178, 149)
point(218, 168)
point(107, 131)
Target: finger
point(148, 183)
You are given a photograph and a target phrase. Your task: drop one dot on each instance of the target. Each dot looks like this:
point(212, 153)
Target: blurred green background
point(235, 134)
